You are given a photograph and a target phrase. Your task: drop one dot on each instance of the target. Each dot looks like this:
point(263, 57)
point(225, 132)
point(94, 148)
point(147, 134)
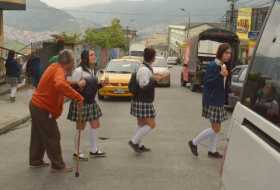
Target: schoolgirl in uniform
point(91, 112)
point(142, 103)
point(214, 95)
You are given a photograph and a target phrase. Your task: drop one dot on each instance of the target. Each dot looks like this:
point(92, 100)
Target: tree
point(107, 37)
point(70, 38)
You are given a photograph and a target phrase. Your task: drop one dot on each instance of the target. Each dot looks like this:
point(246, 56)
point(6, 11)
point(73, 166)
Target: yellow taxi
point(134, 57)
point(115, 78)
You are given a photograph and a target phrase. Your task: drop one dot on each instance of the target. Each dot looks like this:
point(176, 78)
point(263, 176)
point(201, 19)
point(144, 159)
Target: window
point(122, 67)
point(243, 75)
point(235, 74)
point(262, 89)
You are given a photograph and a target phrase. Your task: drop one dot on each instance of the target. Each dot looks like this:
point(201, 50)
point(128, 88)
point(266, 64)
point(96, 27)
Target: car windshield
point(160, 62)
point(122, 66)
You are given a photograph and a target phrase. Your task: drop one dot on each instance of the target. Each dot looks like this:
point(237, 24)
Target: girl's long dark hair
point(85, 60)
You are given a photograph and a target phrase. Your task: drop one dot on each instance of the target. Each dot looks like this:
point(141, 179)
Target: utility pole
point(128, 32)
point(127, 36)
point(232, 14)
point(188, 24)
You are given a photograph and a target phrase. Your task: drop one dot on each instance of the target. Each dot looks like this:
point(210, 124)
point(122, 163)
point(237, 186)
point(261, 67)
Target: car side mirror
point(101, 71)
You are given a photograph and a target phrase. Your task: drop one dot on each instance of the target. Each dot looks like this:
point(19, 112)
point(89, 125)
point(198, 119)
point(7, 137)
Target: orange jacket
point(51, 90)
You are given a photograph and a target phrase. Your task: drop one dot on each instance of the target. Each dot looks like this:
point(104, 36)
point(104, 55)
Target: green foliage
point(71, 38)
point(108, 37)
point(14, 45)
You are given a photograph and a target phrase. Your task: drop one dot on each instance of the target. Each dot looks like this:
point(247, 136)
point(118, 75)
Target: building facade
point(6, 5)
point(247, 23)
point(179, 34)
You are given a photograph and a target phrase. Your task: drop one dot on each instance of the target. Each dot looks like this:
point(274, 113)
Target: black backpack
point(133, 84)
point(90, 90)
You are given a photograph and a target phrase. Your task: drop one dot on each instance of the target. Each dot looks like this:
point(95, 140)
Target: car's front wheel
point(100, 97)
point(193, 87)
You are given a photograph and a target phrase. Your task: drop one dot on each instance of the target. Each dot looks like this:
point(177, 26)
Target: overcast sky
point(72, 3)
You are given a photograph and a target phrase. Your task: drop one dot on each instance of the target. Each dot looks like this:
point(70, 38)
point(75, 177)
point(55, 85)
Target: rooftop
point(13, 4)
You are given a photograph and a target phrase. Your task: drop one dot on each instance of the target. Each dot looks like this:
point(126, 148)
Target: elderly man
point(45, 107)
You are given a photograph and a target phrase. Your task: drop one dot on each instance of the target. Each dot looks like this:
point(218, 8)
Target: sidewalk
point(14, 114)
point(5, 89)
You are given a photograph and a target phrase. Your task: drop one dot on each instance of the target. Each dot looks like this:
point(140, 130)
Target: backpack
point(90, 90)
point(133, 84)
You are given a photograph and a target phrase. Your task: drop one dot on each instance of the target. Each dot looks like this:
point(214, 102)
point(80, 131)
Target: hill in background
point(40, 17)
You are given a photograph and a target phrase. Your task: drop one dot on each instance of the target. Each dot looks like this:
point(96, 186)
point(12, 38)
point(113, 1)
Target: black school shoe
point(135, 147)
point(97, 154)
point(142, 148)
point(193, 148)
point(215, 155)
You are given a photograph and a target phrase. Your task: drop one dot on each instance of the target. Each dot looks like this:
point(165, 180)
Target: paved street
point(170, 165)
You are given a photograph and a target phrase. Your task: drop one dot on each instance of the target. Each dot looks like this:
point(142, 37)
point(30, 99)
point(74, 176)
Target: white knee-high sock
point(141, 133)
point(76, 141)
point(13, 92)
point(137, 128)
point(136, 131)
point(207, 133)
point(213, 143)
point(93, 140)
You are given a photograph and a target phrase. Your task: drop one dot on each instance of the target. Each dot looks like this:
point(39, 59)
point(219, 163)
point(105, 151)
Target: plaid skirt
point(89, 112)
point(214, 114)
point(142, 110)
point(12, 81)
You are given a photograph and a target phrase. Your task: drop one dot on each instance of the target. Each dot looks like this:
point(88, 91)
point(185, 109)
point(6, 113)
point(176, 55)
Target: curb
point(14, 124)
point(8, 90)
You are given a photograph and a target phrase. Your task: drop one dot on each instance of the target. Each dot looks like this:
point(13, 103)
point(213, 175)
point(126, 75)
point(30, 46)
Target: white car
point(160, 67)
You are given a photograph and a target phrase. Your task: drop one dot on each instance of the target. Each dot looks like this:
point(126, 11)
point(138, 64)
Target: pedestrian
point(13, 72)
point(46, 106)
point(142, 102)
point(53, 59)
point(91, 111)
point(213, 101)
point(34, 69)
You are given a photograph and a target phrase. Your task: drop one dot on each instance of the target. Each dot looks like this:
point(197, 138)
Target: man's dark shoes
point(135, 147)
point(215, 155)
point(193, 148)
point(142, 148)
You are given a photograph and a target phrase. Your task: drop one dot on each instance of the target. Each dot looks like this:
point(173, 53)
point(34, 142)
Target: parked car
point(160, 67)
point(237, 82)
point(172, 60)
point(133, 57)
point(115, 78)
